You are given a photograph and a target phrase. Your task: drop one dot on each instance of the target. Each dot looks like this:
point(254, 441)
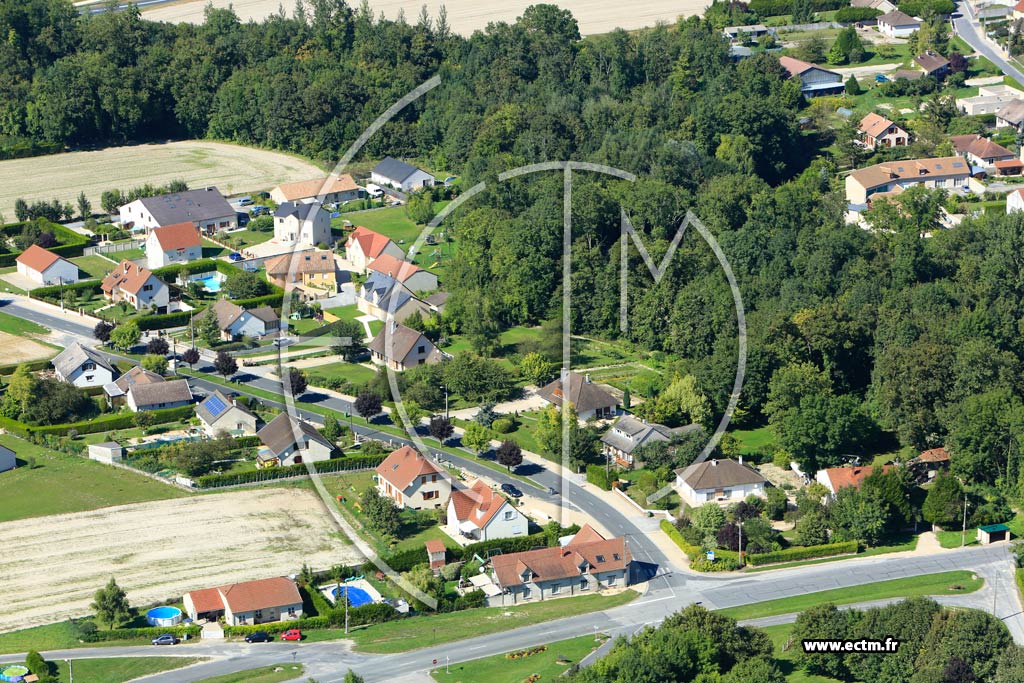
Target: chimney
point(394, 326)
point(714, 463)
point(740, 459)
point(588, 378)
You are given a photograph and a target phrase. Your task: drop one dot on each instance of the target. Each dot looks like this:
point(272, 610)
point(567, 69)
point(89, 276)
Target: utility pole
point(346, 609)
point(740, 525)
point(963, 531)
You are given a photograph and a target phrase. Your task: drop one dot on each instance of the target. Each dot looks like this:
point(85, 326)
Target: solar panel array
point(215, 405)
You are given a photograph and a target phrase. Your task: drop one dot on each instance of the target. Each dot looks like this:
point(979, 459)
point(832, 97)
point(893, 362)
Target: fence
point(667, 515)
point(103, 249)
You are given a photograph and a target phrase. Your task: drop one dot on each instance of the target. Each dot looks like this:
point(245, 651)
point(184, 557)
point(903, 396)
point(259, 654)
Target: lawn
point(954, 537)
point(247, 238)
point(20, 326)
point(350, 312)
point(785, 657)
point(63, 483)
point(523, 435)
point(131, 254)
point(120, 669)
point(435, 629)
point(213, 250)
point(754, 441)
point(57, 636)
point(502, 669)
point(391, 222)
point(896, 545)
point(264, 674)
point(352, 372)
point(93, 266)
point(944, 583)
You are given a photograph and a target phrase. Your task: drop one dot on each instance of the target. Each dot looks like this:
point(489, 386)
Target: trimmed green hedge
point(691, 551)
point(71, 244)
point(373, 613)
point(165, 320)
point(407, 559)
point(33, 366)
point(804, 553)
point(598, 476)
point(345, 463)
point(276, 627)
point(275, 300)
point(148, 632)
point(103, 423)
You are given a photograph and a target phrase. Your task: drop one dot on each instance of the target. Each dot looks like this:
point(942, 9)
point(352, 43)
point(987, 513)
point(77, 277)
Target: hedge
point(804, 553)
point(274, 300)
point(71, 244)
point(33, 366)
point(598, 476)
point(407, 559)
point(165, 320)
point(725, 560)
point(848, 15)
point(53, 291)
point(310, 623)
point(345, 463)
point(774, 8)
point(103, 423)
point(149, 632)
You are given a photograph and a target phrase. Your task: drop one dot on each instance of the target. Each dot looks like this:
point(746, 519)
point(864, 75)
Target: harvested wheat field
point(464, 16)
point(52, 566)
point(232, 168)
point(14, 349)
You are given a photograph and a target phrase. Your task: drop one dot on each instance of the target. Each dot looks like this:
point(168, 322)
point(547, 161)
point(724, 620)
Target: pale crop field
point(52, 566)
point(464, 16)
point(231, 168)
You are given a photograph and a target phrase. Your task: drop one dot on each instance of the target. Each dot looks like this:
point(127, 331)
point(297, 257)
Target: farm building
point(334, 190)
point(400, 175)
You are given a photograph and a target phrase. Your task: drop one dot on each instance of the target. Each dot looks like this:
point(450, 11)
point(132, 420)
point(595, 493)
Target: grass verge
point(549, 664)
point(275, 673)
point(120, 669)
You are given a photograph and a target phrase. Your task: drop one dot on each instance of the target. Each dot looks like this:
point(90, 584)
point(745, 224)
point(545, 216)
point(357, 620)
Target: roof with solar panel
point(215, 406)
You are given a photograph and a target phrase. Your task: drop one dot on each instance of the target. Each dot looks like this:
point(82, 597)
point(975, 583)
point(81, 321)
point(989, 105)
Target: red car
point(292, 634)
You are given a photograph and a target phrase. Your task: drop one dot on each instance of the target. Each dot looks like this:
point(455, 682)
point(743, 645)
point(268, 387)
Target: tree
point(755, 670)
point(297, 383)
point(812, 49)
point(225, 364)
point(802, 12)
point(102, 331)
point(155, 363)
point(854, 515)
point(352, 677)
point(944, 503)
point(245, 284)
point(84, 206)
point(419, 207)
point(477, 437)
point(380, 512)
point(817, 623)
point(708, 518)
point(812, 529)
point(486, 415)
point(207, 328)
point(157, 346)
point(681, 402)
point(853, 86)
point(110, 605)
point(190, 356)
point(536, 369)
point(21, 387)
point(332, 430)
point(125, 336)
point(368, 404)
point(509, 454)
point(776, 504)
point(441, 428)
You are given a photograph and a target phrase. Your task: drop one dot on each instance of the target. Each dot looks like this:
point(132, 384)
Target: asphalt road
point(967, 29)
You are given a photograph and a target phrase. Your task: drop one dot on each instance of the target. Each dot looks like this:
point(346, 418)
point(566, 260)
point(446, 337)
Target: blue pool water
point(163, 616)
point(211, 282)
point(357, 597)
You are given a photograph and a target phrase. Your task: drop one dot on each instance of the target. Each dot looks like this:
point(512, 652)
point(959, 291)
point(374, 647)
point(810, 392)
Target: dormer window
point(600, 558)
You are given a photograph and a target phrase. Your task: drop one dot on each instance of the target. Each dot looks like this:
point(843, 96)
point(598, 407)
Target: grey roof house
point(206, 209)
point(403, 348)
point(630, 433)
point(1012, 114)
point(82, 367)
point(720, 481)
point(290, 441)
point(7, 459)
point(382, 294)
point(590, 400)
point(400, 175)
point(217, 413)
point(158, 395)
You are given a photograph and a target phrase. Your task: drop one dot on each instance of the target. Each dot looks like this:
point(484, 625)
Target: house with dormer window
point(480, 514)
point(413, 481)
point(627, 435)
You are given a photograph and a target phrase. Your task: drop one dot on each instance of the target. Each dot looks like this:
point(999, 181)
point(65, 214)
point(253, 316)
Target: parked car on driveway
point(166, 639)
point(512, 490)
point(258, 637)
point(292, 634)
point(235, 256)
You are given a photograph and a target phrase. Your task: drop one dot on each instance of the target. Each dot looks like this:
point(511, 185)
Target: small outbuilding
point(993, 533)
point(108, 452)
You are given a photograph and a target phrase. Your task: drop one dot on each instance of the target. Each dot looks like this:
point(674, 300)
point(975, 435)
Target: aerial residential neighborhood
point(580, 341)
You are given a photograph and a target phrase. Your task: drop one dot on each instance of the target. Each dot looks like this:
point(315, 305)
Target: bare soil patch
point(14, 349)
point(52, 566)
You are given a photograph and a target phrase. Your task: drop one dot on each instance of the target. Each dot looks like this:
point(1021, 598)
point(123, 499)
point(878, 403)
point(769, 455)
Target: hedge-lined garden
point(343, 464)
point(103, 423)
point(69, 243)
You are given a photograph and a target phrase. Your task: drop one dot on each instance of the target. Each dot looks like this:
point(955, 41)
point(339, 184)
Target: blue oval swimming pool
point(164, 616)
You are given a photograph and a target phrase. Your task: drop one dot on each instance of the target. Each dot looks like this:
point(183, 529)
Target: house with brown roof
point(414, 278)
point(478, 513)
point(980, 151)
point(1011, 115)
point(117, 391)
point(932, 64)
point(877, 131)
point(364, 245)
point(236, 322)
point(251, 602)
point(177, 243)
point(412, 480)
point(897, 24)
point(927, 465)
point(313, 273)
point(288, 440)
point(629, 433)
point(586, 564)
point(334, 190)
point(400, 348)
point(723, 481)
point(590, 400)
point(136, 285)
point(44, 267)
point(835, 478)
point(141, 390)
point(814, 80)
point(941, 172)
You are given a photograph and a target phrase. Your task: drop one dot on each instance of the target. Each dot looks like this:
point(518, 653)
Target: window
point(423, 480)
point(89, 366)
point(509, 514)
point(259, 613)
point(421, 348)
point(430, 495)
point(555, 589)
point(147, 288)
point(433, 477)
point(600, 558)
point(584, 585)
point(88, 378)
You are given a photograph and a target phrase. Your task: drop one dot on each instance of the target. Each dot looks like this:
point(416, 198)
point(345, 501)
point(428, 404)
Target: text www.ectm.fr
point(887, 646)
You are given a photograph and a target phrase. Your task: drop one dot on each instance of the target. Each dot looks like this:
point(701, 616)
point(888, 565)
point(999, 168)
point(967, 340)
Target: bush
point(804, 553)
point(598, 476)
point(148, 632)
point(347, 463)
point(720, 564)
point(848, 15)
point(503, 425)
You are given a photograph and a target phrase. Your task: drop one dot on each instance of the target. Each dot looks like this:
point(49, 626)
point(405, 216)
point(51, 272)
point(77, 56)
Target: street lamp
point(71, 674)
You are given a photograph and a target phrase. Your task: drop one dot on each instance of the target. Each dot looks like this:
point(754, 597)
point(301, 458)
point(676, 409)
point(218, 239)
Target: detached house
point(290, 441)
point(304, 224)
point(364, 245)
point(250, 602)
point(480, 514)
point(403, 348)
point(897, 24)
point(409, 274)
point(314, 273)
point(589, 399)
point(878, 131)
point(1012, 115)
point(980, 151)
point(989, 100)
point(236, 322)
point(932, 64)
point(206, 209)
point(178, 243)
point(720, 481)
point(335, 190)
point(814, 80)
point(136, 285)
point(158, 395)
point(117, 391)
point(82, 367)
point(630, 433)
point(1015, 200)
point(412, 481)
point(44, 267)
point(381, 295)
point(942, 172)
point(400, 175)
point(217, 413)
point(587, 563)
point(835, 478)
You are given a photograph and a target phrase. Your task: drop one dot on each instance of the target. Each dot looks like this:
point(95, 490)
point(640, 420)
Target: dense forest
point(855, 337)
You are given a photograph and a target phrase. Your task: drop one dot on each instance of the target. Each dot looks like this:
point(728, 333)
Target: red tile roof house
point(436, 554)
point(364, 245)
point(980, 151)
point(835, 478)
point(413, 481)
point(814, 80)
point(250, 602)
point(136, 285)
point(480, 514)
point(587, 563)
point(334, 189)
point(177, 243)
point(878, 131)
point(45, 268)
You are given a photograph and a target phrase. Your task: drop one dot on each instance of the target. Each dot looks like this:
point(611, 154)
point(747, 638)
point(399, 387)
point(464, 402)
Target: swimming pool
point(164, 616)
point(211, 283)
point(357, 597)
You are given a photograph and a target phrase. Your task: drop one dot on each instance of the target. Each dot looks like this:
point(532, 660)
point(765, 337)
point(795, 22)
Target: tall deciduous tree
point(225, 364)
point(509, 454)
point(110, 604)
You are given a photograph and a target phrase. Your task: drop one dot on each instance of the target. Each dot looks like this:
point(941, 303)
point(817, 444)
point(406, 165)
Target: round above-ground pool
point(164, 616)
point(357, 597)
point(13, 673)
